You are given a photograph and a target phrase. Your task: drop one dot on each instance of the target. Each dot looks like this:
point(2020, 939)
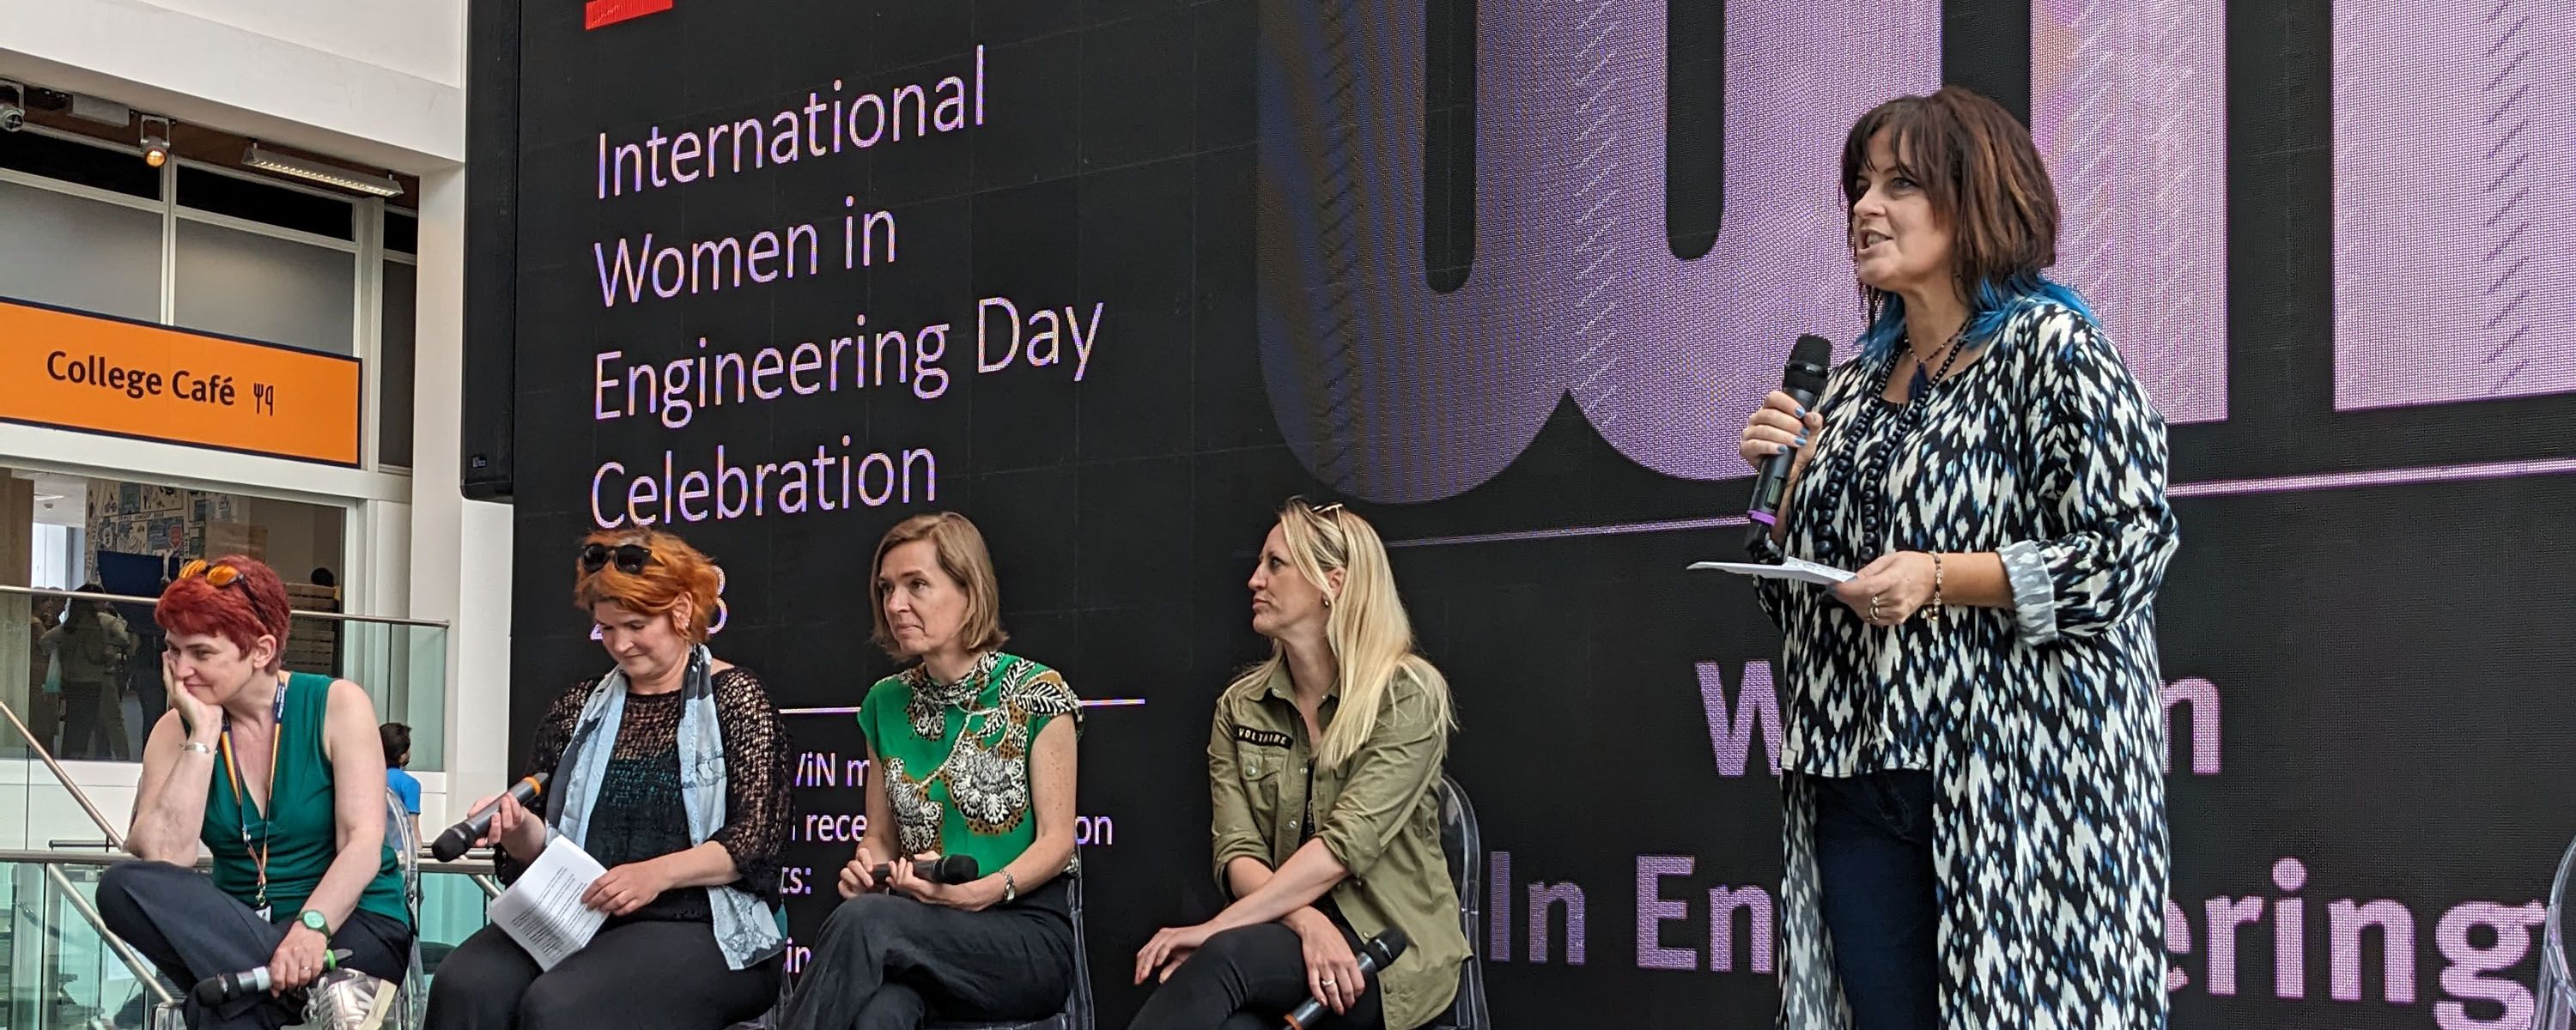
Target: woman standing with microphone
point(1975, 831)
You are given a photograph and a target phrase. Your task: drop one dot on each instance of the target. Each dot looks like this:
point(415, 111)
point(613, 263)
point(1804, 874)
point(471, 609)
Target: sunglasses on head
point(630, 558)
point(1320, 510)
point(219, 576)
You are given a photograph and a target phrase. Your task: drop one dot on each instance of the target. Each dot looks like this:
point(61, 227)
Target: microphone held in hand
point(947, 869)
point(1803, 381)
point(224, 987)
point(1380, 952)
point(461, 836)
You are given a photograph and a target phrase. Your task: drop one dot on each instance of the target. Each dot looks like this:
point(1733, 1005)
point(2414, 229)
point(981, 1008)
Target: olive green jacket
point(1378, 814)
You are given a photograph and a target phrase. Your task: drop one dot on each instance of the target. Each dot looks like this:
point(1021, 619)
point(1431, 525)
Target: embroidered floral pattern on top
point(986, 769)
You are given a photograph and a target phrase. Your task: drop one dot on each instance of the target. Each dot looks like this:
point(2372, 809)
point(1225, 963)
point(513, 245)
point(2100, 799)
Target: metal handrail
point(115, 838)
point(79, 595)
point(134, 963)
point(459, 867)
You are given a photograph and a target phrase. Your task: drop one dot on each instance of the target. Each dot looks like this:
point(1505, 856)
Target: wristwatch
point(1010, 888)
point(314, 921)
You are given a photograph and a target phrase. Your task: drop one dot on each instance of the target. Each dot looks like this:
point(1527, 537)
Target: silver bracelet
point(1010, 888)
point(203, 749)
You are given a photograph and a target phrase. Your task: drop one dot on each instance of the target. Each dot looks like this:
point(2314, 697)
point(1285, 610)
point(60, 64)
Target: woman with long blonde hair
point(1323, 764)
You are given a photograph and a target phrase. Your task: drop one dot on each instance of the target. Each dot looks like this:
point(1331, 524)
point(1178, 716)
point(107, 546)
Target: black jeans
point(1247, 979)
point(885, 962)
point(192, 930)
point(1880, 897)
point(632, 976)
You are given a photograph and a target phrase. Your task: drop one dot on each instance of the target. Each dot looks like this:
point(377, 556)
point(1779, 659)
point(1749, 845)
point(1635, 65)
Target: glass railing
point(58, 969)
point(94, 695)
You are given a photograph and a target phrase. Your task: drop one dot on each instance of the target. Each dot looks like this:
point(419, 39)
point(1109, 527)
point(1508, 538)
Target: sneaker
point(346, 999)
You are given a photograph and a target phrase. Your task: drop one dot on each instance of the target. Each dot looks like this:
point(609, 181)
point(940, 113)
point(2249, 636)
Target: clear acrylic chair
point(2555, 995)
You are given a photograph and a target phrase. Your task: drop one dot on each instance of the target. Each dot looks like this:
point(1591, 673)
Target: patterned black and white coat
point(2042, 725)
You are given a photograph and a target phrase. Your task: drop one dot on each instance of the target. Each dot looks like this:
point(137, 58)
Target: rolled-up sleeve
point(1231, 827)
point(2100, 460)
point(1389, 776)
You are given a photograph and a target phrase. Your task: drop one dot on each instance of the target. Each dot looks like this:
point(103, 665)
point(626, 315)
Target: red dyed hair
point(252, 606)
point(676, 570)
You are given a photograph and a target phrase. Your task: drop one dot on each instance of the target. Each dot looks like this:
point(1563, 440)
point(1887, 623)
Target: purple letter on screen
point(1654, 910)
point(2454, 201)
point(2128, 103)
point(1389, 391)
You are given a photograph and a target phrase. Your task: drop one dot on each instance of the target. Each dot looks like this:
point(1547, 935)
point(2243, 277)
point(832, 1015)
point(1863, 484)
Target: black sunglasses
point(630, 558)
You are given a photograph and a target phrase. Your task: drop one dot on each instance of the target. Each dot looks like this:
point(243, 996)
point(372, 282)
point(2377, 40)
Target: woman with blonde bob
point(669, 769)
point(971, 753)
point(1322, 765)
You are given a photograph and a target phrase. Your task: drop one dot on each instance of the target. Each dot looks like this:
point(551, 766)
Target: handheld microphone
point(948, 869)
point(223, 987)
point(1803, 380)
point(463, 835)
point(1380, 952)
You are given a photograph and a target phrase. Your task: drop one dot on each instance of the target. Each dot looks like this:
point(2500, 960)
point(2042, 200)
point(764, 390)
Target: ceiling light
point(156, 140)
point(316, 171)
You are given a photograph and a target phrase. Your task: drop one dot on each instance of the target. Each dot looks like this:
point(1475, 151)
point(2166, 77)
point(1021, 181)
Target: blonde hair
point(960, 549)
point(1365, 624)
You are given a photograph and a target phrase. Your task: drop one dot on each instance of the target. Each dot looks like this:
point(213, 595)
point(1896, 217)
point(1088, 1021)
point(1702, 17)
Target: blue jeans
point(1880, 898)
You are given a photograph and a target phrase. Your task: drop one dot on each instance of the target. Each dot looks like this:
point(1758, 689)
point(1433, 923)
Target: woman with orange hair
point(672, 772)
point(278, 776)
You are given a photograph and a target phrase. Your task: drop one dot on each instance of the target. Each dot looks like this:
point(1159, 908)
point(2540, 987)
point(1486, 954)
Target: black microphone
point(1803, 380)
point(947, 869)
point(463, 835)
point(1380, 952)
point(223, 987)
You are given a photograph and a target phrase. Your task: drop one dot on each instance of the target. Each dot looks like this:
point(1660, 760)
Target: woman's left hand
point(298, 960)
point(622, 890)
point(1170, 946)
point(1890, 590)
point(973, 896)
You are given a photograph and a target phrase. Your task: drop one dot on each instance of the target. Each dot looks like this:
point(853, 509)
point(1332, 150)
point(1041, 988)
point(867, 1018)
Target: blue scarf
point(746, 928)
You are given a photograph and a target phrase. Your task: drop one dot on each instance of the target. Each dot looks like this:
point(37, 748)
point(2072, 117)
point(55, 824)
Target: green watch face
point(314, 919)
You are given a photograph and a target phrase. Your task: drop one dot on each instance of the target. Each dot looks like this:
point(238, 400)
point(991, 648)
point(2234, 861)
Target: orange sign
point(104, 375)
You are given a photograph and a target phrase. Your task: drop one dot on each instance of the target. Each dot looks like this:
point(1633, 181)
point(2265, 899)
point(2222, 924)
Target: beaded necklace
point(1871, 468)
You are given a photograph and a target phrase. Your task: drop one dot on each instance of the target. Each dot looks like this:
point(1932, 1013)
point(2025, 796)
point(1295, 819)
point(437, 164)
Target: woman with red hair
point(279, 777)
point(670, 770)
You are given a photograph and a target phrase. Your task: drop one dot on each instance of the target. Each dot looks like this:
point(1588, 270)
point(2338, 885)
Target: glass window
point(261, 202)
point(121, 171)
point(263, 288)
point(56, 248)
point(393, 440)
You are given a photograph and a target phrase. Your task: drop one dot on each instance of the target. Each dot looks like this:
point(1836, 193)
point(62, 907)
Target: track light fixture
point(156, 140)
point(13, 107)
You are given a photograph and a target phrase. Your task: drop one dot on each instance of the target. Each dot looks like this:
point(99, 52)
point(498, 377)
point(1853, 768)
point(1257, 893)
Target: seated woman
point(971, 753)
point(278, 776)
point(1323, 766)
point(691, 941)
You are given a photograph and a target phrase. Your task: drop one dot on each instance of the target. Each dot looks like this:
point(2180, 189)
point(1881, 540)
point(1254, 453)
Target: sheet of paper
point(1798, 569)
point(543, 910)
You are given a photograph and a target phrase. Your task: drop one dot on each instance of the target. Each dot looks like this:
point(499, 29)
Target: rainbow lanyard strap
point(241, 793)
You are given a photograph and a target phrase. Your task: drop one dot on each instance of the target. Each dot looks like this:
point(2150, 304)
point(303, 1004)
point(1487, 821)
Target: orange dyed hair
point(252, 606)
point(676, 571)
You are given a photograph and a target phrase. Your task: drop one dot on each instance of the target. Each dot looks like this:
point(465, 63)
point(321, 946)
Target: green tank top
point(301, 828)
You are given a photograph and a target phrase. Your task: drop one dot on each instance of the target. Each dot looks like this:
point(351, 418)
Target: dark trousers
point(633, 976)
point(885, 962)
point(1248, 979)
point(81, 711)
point(192, 930)
point(1880, 898)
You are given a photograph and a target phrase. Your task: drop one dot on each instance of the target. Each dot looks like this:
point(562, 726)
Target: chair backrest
point(2554, 996)
point(1077, 1009)
point(404, 839)
point(1463, 845)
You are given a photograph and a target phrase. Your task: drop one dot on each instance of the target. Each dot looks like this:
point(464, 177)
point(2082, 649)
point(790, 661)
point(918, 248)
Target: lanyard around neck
point(241, 788)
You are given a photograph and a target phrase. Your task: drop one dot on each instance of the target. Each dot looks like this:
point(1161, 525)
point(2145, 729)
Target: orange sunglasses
point(219, 576)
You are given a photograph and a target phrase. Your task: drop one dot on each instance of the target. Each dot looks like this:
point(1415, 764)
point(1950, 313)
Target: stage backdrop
point(1116, 276)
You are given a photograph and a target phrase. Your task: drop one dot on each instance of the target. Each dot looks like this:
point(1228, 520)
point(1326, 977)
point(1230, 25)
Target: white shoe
point(346, 999)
